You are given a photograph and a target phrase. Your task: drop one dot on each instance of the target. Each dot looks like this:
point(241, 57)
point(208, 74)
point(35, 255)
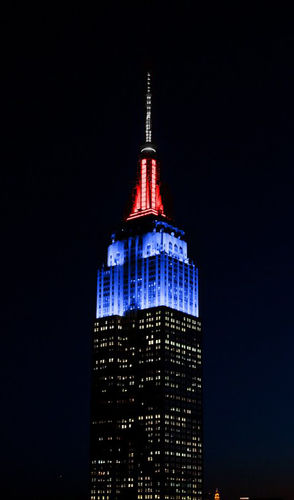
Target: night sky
point(72, 121)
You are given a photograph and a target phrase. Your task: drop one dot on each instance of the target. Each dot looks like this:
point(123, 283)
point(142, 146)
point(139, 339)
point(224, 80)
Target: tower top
point(216, 495)
point(148, 129)
point(148, 146)
point(147, 198)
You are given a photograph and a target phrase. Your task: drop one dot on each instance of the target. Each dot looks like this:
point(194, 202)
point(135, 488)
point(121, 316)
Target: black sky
point(72, 116)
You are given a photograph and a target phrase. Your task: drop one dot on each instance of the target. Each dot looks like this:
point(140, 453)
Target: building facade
point(146, 410)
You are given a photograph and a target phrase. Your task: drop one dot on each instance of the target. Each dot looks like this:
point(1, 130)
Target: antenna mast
point(148, 131)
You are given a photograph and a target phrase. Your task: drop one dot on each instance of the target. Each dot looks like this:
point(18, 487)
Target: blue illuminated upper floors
point(148, 270)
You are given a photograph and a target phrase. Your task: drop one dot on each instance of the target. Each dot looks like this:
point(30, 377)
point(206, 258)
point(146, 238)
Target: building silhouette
point(146, 398)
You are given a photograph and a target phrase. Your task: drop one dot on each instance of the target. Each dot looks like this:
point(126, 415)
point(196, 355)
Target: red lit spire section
point(147, 199)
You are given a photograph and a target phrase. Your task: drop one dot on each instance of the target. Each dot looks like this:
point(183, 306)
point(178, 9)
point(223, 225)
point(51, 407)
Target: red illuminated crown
point(147, 198)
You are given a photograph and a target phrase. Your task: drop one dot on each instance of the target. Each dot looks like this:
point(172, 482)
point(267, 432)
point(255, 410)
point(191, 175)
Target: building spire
point(148, 130)
point(147, 198)
point(148, 146)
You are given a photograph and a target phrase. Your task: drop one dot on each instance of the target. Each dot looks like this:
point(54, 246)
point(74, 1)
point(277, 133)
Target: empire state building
point(146, 395)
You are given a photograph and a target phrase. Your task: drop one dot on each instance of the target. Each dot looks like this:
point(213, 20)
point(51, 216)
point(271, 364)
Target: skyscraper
point(146, 411)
